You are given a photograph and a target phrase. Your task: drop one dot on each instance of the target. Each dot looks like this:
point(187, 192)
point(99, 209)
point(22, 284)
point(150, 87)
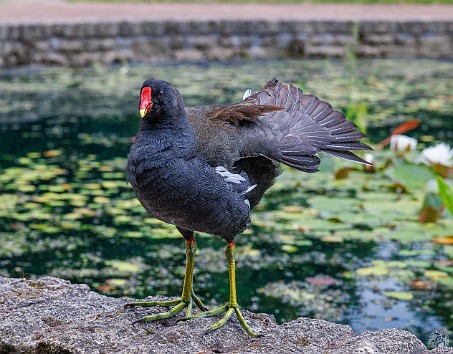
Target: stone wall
point(81, 44)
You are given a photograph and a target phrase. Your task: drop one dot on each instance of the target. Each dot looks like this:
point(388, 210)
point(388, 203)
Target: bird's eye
point(160, 94)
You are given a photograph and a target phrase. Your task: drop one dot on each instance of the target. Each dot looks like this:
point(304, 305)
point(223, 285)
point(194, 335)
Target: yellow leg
point(232, 306)
point(188, 296)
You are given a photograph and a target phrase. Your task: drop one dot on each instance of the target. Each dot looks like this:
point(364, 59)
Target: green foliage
point(446, 193)
point(400, 295)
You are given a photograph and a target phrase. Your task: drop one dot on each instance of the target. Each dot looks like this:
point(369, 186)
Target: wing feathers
point(242, 111)
point(304, 126)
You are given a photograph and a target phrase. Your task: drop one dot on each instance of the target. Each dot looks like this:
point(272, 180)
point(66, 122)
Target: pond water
point(349, 250)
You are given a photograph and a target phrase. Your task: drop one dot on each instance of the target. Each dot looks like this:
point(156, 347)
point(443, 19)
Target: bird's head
point(159, 99)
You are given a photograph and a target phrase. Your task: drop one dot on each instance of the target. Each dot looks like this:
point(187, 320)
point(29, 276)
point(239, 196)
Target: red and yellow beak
point(145, 101)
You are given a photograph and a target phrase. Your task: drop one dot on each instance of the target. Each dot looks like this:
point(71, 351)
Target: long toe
point(152, 303)
point(227, 311)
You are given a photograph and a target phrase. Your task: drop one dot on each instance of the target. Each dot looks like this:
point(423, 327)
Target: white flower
point(402, 143)
point(371, 168)
point(439, 154)
point(247, 94)
point(369, 158)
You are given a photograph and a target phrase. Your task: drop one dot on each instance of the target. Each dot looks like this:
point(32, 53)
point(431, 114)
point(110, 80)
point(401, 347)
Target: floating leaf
point(125, 267)
point(413, 177)
point(399, 295)
point(373, 271)
point(296, 209)
point(448, 240)
point(343, 172)
point(332, 238)
point(418, 284)
point(52, 153)
point(432, 208)
point(436, 274)
point(289, 248)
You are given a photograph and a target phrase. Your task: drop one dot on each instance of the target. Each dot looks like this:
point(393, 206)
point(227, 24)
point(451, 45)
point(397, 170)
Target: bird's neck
point(174, 136)
point(175, 120)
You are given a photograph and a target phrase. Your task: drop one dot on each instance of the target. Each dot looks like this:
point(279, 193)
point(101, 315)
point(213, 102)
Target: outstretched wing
point(305, 126)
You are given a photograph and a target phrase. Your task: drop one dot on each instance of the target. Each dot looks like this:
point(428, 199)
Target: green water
point(318, 246)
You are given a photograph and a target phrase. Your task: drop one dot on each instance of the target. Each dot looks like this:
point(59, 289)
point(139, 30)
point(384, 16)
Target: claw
point(178, 306)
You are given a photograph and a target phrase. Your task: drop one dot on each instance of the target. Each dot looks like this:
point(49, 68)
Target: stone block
point(107, 29)
point(127, 28)
point(377, 27)
point(369, 51)
point(406, 39)
point(225, 41)
point(322, 51)
point(13, 32)
point(83, 59)
point(153, 28)
point(342, 39)
point(228, 27)
point(399, 51)
point(203, 42)
point(42, 46)
point(85, 30)
point(377, 39)
point(303, 27)
point(435, 46)
point(177, 42)
point(146, 49)
point(3, 33)
point(103, 44)
point(31, 32)
point(189, 55)
point(296, 48)
point(71, 45)
point(50, 58)
point(321, 39)
point(219, 53)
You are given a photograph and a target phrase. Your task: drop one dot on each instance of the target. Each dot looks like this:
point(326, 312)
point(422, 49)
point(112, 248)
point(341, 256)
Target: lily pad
point(400, 295)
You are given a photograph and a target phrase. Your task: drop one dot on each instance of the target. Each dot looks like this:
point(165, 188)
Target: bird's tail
point(305, 126)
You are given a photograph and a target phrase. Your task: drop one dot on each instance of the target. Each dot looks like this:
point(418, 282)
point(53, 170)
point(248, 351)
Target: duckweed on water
point(342, 244)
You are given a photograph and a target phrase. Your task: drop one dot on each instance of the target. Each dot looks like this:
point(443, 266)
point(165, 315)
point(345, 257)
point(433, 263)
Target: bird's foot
point(228, 311)
point(178, 306)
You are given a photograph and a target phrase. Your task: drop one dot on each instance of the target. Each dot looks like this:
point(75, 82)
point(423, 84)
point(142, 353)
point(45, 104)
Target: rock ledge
point(51, 315)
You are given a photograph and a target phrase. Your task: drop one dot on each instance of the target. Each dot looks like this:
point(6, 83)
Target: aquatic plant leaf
point(343, 172)
point(400, 295)
point(413, 176)
point(373, 271)
point(447, 240)
point(124, 266)
point(432, 208)
point(446, 193)
point(436, 274)
point(289, 248)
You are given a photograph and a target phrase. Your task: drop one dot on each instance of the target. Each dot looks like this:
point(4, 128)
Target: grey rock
point(51, 315)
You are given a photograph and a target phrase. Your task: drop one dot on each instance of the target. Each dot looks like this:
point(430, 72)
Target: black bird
point(205, 168)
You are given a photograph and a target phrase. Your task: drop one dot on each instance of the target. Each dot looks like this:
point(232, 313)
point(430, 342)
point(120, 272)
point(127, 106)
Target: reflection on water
point(318, 247)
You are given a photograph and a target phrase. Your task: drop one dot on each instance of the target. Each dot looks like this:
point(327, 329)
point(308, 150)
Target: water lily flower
point(440, 154)
point(247, 94)
point(371, 160)
point(402, 143)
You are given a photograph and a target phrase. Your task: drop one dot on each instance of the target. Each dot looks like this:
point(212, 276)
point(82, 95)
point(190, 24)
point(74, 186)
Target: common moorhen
point(204, 168)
